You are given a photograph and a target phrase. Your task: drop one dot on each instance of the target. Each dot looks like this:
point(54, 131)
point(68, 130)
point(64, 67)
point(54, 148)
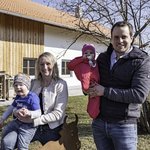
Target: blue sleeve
point(14, 104)
point(35, 101)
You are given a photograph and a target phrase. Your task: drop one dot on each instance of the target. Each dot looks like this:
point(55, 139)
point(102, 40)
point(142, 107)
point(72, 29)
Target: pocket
point(134, 110)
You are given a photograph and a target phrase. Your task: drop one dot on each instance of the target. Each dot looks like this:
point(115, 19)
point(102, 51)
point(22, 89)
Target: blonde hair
point(52, 60)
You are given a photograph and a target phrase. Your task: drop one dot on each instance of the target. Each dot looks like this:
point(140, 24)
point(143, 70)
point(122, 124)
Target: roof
point(48, 15)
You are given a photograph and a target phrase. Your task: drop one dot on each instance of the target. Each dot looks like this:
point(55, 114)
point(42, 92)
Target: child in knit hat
point(86, 71)
point(23, 132)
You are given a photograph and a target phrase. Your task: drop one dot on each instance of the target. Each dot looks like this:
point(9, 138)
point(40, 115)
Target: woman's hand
point(17, 113)
point(25, 112)
point(23, 115)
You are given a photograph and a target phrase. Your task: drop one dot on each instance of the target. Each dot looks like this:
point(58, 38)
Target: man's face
point(121, 39)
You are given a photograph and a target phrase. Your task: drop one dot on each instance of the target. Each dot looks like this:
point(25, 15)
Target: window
point(29, 66)
point(64, 68)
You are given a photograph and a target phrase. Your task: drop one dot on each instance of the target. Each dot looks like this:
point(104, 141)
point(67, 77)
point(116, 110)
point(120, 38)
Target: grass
point(77, 104)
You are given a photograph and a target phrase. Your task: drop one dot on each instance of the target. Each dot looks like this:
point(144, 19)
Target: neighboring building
point(27, 29)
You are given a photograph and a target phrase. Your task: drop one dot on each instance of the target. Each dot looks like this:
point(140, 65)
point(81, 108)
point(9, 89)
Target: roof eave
point(40, 20)
point(44, 21)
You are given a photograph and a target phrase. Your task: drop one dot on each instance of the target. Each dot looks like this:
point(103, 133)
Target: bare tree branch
point(107, 12)
point(58, 57)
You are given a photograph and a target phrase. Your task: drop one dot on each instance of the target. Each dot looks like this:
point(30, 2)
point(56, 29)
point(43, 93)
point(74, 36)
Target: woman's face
point(45, 67)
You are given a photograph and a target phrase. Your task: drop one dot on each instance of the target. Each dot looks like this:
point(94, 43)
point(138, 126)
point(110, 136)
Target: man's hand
point(96, 90)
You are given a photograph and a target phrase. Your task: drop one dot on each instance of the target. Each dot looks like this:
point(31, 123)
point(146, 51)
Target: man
point(124, 85)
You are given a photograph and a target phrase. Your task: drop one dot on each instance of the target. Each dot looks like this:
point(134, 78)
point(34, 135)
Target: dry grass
point(78, 105)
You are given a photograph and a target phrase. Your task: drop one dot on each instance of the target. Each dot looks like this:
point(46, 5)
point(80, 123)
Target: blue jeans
point(114, 136)
point(45, 134)
point(17, 134)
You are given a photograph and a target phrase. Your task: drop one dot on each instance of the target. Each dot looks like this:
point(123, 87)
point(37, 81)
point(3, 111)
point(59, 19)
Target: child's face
point(20, 89)
point(89, 54)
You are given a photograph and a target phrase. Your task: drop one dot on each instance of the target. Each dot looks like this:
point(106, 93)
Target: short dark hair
point(122, 24)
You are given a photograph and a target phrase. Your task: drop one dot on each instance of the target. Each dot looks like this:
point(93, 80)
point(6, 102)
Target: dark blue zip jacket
point(127, 85)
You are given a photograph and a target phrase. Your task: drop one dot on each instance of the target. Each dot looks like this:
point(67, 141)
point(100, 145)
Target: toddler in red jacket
point(86, 71)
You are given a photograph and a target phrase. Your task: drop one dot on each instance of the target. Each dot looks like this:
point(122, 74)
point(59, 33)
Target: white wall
point(57, 40)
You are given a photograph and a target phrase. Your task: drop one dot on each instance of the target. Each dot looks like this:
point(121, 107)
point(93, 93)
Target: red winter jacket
point(84, 72)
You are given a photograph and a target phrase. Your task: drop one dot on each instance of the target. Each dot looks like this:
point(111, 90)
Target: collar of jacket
point(134, 53)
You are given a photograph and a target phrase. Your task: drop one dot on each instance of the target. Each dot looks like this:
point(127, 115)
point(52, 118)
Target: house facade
point(65, 38)
point(27, 29)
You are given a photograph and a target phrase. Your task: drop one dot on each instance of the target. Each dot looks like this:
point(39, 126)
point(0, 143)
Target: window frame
point(64, 68)
point(29, 67)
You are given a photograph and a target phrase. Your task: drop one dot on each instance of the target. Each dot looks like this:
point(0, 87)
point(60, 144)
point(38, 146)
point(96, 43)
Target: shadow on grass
point(85, 130)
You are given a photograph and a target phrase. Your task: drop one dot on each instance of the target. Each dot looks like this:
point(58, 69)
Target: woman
point(53, 93)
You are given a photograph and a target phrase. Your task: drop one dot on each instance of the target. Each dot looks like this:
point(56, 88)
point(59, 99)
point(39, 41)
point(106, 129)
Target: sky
point(39, 1)
point(42, 2)
point(45, 3)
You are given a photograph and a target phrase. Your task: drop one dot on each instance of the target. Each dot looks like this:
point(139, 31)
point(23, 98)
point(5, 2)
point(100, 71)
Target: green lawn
point(77, 104)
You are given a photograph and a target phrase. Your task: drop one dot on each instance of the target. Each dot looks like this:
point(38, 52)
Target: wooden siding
point(19, 38)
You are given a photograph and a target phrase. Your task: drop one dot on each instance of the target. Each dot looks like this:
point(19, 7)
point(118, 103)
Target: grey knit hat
point(23, 78)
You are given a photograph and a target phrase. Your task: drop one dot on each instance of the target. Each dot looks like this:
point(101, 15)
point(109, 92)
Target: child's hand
point(90, 57)
point(19, 113)
point(23, 115)
point(84, 56)
point(25, 112)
